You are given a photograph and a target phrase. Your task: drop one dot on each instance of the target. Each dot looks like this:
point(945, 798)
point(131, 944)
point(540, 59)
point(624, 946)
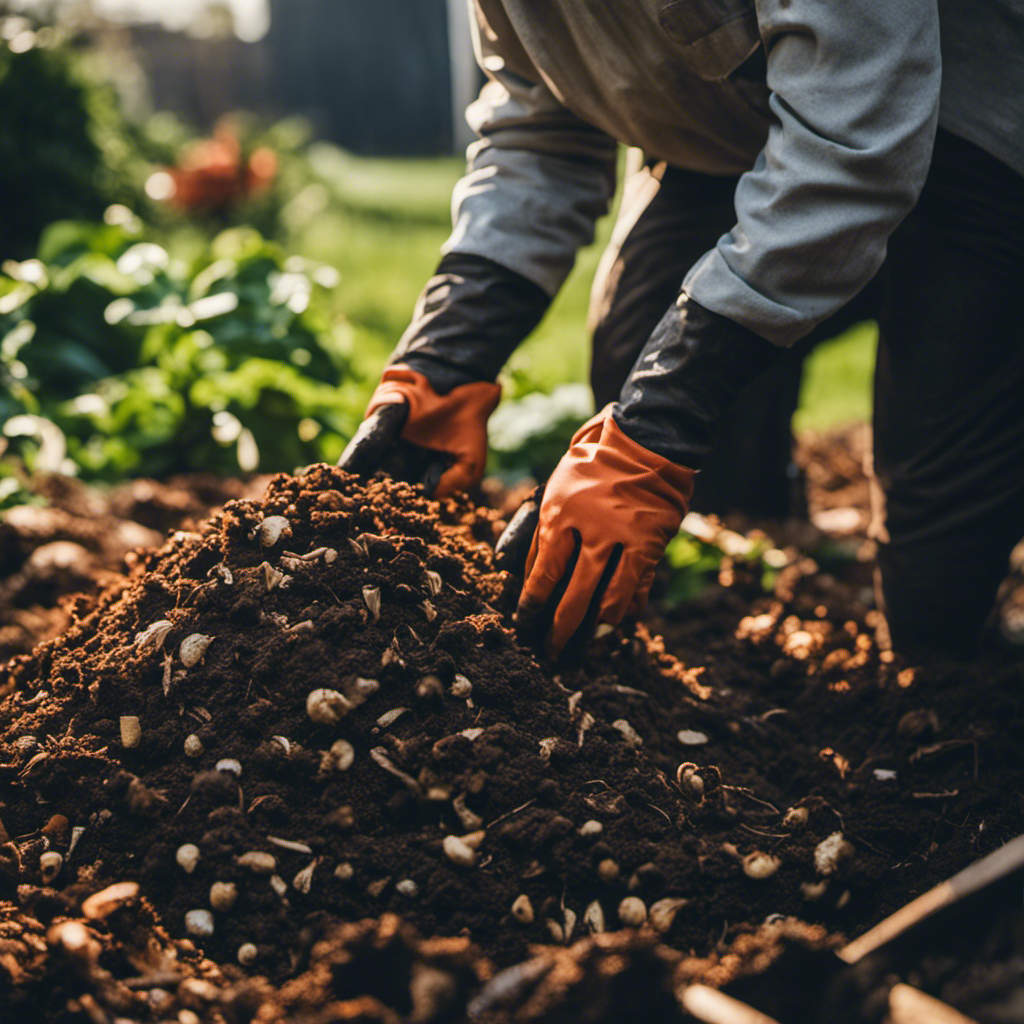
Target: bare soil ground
point(276, 738)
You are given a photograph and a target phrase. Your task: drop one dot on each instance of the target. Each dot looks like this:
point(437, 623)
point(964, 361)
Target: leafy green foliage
point(149, 366)
point(701, 549)
point(530, 434)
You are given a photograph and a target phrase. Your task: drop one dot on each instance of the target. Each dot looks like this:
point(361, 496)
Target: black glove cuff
point(689, 372)
point(469, 319)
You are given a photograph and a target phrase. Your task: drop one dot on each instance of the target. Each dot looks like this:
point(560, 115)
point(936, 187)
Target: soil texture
point(312, 710)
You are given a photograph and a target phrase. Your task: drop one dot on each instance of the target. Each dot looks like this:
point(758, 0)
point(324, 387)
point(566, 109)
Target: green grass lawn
point(383, 225)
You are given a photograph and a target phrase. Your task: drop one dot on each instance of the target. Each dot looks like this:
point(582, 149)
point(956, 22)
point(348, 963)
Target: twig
point(758, 832)
point(510, 813)
point(664, 814)
point(744, 791)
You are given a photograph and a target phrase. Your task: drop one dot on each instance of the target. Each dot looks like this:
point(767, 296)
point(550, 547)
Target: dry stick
point(664, 814)
point(744, 791)
point(767, 835)
point(523, 807)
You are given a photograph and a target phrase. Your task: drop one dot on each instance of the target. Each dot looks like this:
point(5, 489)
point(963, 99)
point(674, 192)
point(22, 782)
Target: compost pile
point(314, 710)
point(79, 541)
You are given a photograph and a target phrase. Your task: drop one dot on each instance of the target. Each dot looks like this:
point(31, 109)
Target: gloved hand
point(607, 513)
point(419, 436)
point(427, 421)
point(618, 496)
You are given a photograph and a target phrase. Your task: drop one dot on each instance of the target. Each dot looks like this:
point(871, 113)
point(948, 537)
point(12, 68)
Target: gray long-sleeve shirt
point(827, 110)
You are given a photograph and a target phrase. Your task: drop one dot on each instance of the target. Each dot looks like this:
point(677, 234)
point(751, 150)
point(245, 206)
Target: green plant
point(150, 366)
point(530, 434)
point(701, 549)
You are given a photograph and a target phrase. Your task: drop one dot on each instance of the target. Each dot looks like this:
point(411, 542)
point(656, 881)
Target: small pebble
point(327, 707)
point(663, 913)
point(131, 731)
point(885, 774)
point(199, 923)
point(831, 852)
point(229, 764)
point(376, 888)
point(364, 689)
point(461, 687)
point(193, 648)
point(272, 529)
point(632, 912)
point(342, 755)
point(194, 746)
point(223, 895)
point(247, 953)
point(760, 865)
point(691, 738)
point(50, 865)
point(813, 890)
point(608, 870)
point(591, 828)
point(429, 688)
point(408, 888)
point(187, 857)
point(522, 909)
point(458, 852)
point(258, 861)
point(279, 885)
point(689, 781)
point(344, 872)
point(629, 734)
point(796, 817)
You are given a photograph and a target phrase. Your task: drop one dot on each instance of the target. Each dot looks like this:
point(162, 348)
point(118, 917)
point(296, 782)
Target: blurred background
point(216, 219)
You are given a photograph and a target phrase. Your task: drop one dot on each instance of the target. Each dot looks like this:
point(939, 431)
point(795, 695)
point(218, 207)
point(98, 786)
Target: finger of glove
point(450, 479)
point(513, 547)
point(590, 577)
point(643, 590)
point(546, 583)
point(577, 644)
point(374, 439)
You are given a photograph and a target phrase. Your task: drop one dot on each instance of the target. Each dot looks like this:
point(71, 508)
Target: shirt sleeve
point(854, 102)
point(538, 178)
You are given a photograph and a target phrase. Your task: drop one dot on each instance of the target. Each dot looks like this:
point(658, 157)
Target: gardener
point(786, 141)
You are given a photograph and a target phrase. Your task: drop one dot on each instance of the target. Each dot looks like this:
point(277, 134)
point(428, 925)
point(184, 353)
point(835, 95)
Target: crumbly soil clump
point(788, 767)
point(76, 543)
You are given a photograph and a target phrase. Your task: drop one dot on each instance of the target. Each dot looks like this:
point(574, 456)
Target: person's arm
point(535, 184)
point(854, 98)
point(855, 90)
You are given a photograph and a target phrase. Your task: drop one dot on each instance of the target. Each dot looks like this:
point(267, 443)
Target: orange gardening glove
point(417, 435)
point(607, 514)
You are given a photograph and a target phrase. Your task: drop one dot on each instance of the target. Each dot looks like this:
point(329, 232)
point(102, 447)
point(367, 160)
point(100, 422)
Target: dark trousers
point(949, 387)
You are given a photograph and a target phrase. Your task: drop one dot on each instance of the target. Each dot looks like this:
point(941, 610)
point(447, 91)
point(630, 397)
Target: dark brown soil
point(919, 769)
point(796, 703)
point(81, 538)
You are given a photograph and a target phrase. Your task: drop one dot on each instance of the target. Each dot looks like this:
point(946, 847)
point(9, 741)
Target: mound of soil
point(180, 737)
